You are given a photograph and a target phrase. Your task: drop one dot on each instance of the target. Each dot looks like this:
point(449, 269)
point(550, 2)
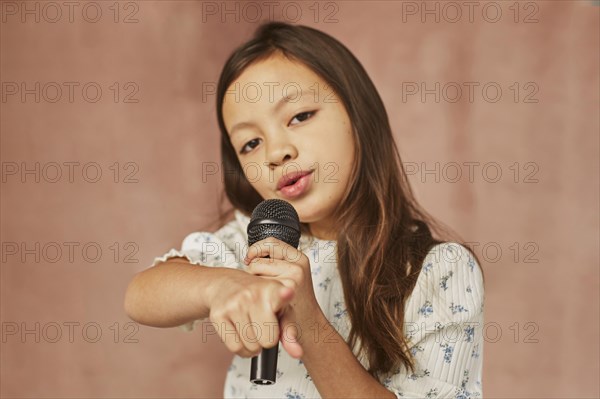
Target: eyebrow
point(276, 108)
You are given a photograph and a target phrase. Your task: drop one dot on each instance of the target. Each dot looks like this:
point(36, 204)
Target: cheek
point(346, 159)
point(252, 172)
point(257, 175)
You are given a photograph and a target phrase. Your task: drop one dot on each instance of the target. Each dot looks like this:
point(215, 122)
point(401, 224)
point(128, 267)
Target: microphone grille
point(274, 218)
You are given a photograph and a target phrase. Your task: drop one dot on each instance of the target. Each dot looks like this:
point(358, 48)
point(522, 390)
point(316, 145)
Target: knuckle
point(255, 349)
point(243, 353)
point(293, 254)
point(268, 344)
point(248, 296)
point(216, 314)
point(295, 285)
point(298, 273)
point(235, 347)
point(304, 259)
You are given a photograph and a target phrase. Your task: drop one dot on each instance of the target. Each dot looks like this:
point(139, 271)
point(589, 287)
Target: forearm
point(172, 293)
point(335, 371)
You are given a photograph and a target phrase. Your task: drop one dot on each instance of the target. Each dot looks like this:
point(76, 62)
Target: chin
point(310, 216)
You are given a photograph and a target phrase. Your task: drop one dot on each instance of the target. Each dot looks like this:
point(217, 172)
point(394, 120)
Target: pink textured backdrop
point(549, 134)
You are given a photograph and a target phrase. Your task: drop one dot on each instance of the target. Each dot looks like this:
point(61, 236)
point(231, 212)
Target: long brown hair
point(383, 234)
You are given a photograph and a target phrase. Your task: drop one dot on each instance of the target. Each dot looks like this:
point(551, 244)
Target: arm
point(175, 292)
point(348, 378)
point(172, 293)
point(334, 369)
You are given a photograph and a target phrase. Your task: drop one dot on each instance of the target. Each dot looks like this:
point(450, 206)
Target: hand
point(290, 267)
point(245, 310)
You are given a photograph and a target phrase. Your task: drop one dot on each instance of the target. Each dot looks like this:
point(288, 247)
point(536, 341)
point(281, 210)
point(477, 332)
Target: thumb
point(286, 293)
point(289, 334)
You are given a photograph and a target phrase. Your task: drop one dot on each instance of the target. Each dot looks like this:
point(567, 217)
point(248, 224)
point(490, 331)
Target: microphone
point(271, 218)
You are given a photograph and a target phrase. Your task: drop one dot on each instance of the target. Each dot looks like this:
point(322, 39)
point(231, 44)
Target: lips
point(291, 178)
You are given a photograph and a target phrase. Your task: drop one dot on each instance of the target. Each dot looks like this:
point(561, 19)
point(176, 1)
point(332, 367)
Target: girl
point(371, 304)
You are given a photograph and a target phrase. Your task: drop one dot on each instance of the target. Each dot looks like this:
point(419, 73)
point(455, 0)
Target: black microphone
point(271, 218)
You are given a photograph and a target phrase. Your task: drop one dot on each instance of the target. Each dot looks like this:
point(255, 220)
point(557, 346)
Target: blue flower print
point(475, 352)
point(325, 283)
point(457, 308)
point(293, 394)
point(386, 383)
point(462, 392)
point(468, 288)
point(465, 379)
point(426, 310)
point(233, 369)
point(427, 267)
point(314, 252)
point(444, 280)
point(470, 333)
point(415, 349)
point(419, 374)
point(339, 312)
point(448, 351)
point(471, 262)
point(432, 393)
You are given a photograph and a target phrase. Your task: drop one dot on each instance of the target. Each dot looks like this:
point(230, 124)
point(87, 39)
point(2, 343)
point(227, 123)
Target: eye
point(252, 143)
point(303, 116)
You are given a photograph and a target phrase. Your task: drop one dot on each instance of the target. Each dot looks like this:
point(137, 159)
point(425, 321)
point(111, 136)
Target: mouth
point(292, 178)
point(295, 185)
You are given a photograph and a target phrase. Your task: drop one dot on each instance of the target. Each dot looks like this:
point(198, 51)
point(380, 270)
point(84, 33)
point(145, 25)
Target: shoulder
point(230, 233)
point(451, 273)
point(450, 257)
point(223, 247)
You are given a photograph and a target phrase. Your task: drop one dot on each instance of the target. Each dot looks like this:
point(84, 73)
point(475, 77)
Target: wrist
point(211, 284)
point(312, 326)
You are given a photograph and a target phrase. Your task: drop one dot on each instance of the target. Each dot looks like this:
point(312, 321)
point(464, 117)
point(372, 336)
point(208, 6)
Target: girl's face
point(283, 119)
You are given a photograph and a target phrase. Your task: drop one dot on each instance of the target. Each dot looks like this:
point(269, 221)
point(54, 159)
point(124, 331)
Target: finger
point(287, 293)
point(269, 267)
point(289, 334)
point(247, 332)
point(268, 325)
point(274, 249)
point(263, 268)
point(288, 274)
point(283, 295)
point(267, 317)
point(227, 333)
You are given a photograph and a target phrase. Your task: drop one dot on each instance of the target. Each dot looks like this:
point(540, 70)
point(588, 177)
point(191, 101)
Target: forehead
point(277, 69)
point(264, 83)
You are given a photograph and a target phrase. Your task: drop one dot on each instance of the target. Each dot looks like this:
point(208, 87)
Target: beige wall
point(170, 132)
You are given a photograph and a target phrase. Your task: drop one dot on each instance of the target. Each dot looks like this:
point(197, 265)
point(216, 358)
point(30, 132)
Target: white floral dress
point(443, 318)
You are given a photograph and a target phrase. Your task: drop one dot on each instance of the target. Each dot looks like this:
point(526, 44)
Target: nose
point(279, 151)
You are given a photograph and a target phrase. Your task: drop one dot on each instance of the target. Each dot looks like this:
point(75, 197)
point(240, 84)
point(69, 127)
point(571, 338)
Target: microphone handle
point(263, 368)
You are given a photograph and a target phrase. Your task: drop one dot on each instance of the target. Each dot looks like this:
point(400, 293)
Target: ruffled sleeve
point(443, 326)
point(224, 248)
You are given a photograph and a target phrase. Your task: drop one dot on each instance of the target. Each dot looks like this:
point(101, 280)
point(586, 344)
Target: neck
point(322, 232)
